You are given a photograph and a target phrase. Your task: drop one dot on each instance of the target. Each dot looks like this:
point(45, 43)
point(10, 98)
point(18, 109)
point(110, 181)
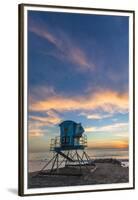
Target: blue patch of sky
point(104, 39)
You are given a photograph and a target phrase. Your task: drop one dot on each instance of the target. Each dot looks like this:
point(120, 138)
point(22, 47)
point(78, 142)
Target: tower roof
point(67, 121)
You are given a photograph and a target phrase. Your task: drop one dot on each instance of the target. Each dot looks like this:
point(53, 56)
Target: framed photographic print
point(76, 99)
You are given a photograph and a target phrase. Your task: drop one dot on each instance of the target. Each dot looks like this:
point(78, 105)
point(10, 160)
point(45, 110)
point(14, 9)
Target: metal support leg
point(57, 163)
point(86, 156)
point(53, 163)
point(67, 159)
point(83, 162)
point(62, 162)
point(82, 155)
point(78, 161)
point(45, 166)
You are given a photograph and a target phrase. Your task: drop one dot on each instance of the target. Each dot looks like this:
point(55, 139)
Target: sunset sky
point(77, 70)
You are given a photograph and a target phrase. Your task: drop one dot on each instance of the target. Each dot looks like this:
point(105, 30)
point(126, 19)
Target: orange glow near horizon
point(117, 144)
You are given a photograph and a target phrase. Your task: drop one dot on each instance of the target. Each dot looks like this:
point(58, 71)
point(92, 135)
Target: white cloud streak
point(66, 49)
point(116, 127)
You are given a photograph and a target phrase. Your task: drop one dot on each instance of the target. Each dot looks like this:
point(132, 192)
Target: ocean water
point(36, 161)
point(108, 153)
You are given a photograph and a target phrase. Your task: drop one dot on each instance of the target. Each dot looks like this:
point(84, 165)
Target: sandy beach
point(105, 172)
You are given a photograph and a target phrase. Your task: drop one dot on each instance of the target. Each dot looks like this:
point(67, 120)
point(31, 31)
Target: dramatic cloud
point(66, 49)
point(109, 136)
point(35, 128)
point(36, 133)
point(37, 123)
point(117, 127)
point(40, 92)
point(108, 101)
point(50, 119)
point(96, 116)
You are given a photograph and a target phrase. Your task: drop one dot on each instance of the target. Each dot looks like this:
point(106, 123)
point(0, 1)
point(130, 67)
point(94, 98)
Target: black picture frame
point(21, 87)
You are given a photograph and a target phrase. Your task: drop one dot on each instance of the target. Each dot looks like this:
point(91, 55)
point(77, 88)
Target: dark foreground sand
point(104, 173)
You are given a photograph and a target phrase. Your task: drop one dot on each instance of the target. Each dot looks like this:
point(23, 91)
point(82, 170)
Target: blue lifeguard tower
point(69, 149)
point(71, 137)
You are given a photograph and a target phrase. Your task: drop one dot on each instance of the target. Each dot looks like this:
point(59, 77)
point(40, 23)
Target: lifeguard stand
point(68, 149)
point(71, 137)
